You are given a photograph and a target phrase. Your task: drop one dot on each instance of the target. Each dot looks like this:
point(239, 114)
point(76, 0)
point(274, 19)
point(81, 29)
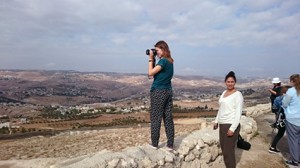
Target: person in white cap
point(275, 91)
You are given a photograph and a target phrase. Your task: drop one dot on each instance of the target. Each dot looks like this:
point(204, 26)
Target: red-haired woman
point(161, 94)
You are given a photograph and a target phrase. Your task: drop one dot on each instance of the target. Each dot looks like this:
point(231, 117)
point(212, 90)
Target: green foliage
point(116, 122)
point(23, 130)
point(4, 130)
point(4, 118)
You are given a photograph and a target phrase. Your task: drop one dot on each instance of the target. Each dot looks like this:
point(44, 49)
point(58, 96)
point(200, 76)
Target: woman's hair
point(166, 51)
point(277, 84)
point(230, 74)
point(284, 89)
point(295, 78)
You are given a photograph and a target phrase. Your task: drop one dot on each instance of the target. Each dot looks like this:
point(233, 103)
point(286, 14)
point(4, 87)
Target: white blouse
point(230, 110)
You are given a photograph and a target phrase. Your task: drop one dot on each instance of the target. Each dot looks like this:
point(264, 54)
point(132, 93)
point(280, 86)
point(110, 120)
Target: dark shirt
point(277, 89)
point(162, 80)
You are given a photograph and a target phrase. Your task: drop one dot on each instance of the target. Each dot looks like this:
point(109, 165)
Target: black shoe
point(290, 162)
point(273, 150)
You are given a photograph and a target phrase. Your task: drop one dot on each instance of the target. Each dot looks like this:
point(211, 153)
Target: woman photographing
point(161, 104)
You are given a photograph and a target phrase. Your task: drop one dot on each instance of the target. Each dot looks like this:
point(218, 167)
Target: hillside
point(106, 107)
point(75, 88)
point(44, 101)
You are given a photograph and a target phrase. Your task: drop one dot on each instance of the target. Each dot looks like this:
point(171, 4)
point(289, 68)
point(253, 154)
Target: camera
point(154, 53)
point(153, 50)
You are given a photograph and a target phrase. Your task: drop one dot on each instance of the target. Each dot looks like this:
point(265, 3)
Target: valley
point(43, 102)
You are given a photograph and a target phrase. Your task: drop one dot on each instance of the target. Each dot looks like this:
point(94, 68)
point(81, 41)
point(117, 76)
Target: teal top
point(162, 80)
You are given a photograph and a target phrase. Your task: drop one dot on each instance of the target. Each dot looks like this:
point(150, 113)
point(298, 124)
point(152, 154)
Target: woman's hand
point(272, 91)
point(230, 133)
point(151, 55)
point(215, 126)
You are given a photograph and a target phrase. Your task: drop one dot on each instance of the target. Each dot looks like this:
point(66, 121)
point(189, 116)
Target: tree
point(23, 130)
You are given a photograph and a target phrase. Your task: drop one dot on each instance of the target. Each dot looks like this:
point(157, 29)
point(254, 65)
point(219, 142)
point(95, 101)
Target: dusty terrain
point(82, 143)
point(88, 142)
point(258, 156)
point(37, 89)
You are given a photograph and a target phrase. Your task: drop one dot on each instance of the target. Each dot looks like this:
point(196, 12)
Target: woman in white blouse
point(228, 119)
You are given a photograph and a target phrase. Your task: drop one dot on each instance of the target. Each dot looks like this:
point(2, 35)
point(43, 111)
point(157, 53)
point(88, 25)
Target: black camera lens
point(147, 52)
point(153, 50)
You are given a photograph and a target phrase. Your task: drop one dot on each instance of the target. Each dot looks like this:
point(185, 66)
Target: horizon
point(175, 75)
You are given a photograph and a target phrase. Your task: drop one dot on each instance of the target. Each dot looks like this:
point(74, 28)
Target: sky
point(206, 37)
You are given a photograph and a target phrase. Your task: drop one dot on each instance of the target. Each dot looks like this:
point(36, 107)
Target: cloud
point(50, 65)
point(189, 70)
point(232, 33)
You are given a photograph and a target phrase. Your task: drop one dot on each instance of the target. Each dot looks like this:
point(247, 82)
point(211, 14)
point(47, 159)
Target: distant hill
point(73, 87)
point(8, 100)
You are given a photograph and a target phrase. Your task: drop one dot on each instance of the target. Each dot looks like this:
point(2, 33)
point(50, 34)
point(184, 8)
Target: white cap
point(276, 80)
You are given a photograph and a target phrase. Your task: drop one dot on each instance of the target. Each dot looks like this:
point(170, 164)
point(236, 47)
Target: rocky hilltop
point(83, 116)
point(196, 145)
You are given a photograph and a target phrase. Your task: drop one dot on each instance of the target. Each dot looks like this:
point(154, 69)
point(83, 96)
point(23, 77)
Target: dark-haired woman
point(161, 94)
point(228, 119)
